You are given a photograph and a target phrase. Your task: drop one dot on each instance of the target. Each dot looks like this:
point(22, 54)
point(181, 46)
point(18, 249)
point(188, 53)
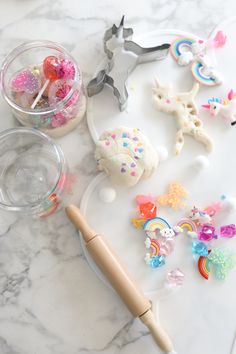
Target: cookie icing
point(126, 155)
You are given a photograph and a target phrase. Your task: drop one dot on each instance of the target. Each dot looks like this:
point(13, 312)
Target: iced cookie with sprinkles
point(126, 155)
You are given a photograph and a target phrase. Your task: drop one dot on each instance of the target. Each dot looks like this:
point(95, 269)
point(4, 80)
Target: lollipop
point(55, 68)
point(26, 81)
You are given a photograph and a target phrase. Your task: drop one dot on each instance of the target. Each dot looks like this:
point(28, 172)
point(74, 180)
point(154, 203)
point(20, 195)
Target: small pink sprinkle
point(200, 41)
point(168, 101)
point(133, 174)
point(107, 142)
point(113, 136)
point(136, 149)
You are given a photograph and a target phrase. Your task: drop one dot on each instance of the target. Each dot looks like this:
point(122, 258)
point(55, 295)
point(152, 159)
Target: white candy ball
point(107, 195)
point(201, 162)
point(162, 153)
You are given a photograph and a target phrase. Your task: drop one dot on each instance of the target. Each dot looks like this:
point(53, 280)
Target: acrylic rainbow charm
point(154, 247)
point(197, 71)
point(193, 51)
point(189, 226)
point(156, 223)
point(176, 46)
point(204, 267)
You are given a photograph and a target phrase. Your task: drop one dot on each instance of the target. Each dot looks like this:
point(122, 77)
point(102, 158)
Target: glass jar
point(33, 172)
point(42, 83)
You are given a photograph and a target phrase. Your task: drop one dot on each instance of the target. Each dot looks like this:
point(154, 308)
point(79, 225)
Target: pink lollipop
point(58, 90)
point(54, 69)
point(26, 81)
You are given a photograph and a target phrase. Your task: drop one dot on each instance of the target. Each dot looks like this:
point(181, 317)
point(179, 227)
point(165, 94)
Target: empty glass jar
point(33, 172)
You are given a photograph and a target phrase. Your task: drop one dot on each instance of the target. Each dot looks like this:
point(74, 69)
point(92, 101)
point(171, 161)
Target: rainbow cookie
point(189, 225)
point(204, 267)
point(197, 71)
point(178, 44)
point(156, 224)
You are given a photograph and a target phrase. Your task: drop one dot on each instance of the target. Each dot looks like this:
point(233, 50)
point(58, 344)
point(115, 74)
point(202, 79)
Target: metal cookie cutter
point(123, 56)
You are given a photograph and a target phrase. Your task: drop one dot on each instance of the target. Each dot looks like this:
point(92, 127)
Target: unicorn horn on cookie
point(224, 107)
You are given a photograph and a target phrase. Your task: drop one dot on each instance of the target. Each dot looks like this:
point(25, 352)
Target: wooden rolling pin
point(119, 278)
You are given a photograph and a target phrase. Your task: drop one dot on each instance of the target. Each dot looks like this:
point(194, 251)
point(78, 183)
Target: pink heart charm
point(26, 81)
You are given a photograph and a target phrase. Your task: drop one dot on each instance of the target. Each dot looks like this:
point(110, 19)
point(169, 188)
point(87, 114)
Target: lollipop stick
point(40, 94)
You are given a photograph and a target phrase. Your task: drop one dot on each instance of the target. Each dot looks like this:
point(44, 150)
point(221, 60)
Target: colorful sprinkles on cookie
point(126, 155)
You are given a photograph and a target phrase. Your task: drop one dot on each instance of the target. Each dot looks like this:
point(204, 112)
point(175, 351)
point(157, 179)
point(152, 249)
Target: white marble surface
point(50, 300)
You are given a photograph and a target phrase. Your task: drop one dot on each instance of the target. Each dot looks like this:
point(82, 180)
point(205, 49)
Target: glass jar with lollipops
point(42, 83)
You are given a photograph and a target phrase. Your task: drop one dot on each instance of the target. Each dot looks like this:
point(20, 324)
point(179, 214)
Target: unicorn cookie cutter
point(182, 105)
point(225, 108)
point(123, 56)
point(193, 51)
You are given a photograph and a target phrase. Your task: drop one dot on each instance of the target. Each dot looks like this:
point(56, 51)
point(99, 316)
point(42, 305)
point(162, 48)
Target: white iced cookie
point(126, 155)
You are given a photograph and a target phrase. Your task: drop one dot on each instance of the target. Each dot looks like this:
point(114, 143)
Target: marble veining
point(50, 300)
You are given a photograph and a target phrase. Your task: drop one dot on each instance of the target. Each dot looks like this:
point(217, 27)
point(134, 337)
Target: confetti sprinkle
point(155, 262)
point(228, 230)
point(199, 248)
point(174, 197)
point(138, 223)
point(207, 233)
point(175, 277)
point(147, 210)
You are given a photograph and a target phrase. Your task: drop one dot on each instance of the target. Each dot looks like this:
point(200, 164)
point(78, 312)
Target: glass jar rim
point(34, 208)
point(77, 81)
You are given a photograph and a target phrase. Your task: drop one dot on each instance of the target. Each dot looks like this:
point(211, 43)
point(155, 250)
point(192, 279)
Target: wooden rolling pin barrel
point(126, 288)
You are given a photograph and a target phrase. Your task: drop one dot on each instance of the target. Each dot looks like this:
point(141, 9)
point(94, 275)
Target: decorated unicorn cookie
point(225, 108)
point(182, 105)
